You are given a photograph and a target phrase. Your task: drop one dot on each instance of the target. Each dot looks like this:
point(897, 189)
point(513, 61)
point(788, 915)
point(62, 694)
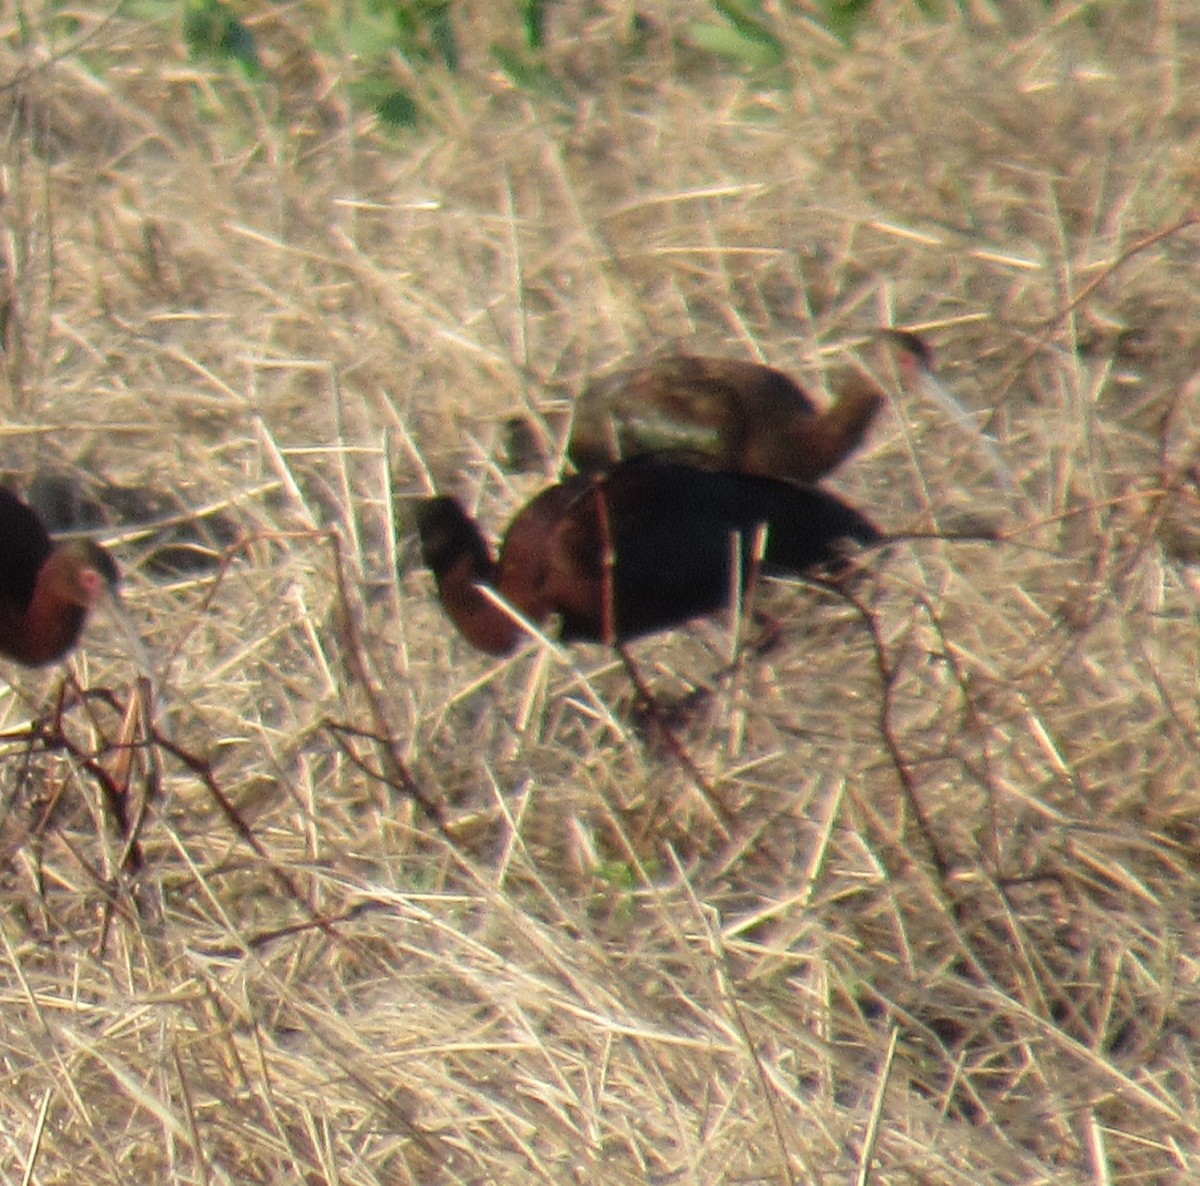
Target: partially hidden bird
point(643, 547)
point(47, 588)
point(720, 413)
point(745, 417)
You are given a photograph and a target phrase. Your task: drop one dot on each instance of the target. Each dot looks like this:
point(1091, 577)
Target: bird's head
point(85, 572)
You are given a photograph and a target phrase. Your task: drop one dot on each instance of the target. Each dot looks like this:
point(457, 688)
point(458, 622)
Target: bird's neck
point(52, 620)
point(834, 434)
point(480, 620)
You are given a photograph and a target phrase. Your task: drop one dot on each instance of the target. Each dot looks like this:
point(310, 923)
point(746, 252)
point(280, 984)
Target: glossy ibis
point(643, 547)
point(722, 413)
point(46, 588)
point(730, 414)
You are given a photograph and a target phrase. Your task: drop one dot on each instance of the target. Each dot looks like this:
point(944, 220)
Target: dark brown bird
point(46, 588)
point(722, 413)
point(667, 527)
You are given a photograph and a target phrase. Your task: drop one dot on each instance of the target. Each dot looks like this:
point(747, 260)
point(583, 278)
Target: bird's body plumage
point(46, 589)
point(642, 548)
point(723, 414)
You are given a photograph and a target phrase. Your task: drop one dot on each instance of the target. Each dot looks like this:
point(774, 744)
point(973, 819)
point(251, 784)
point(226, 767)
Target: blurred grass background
point(298, 264)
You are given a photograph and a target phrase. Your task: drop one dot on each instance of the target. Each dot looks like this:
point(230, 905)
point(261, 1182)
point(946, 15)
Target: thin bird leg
point(722, 815)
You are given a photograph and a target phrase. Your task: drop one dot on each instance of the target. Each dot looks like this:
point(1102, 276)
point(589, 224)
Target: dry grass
point(242, 294)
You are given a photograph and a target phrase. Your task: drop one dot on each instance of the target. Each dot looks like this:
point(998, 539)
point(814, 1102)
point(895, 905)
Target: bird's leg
point(722, 815)
point(60, 703)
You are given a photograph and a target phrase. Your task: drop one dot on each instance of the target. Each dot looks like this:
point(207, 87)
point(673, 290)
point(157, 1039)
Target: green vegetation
point(423, 34)
point(393, 57)
point(744, 35)
point(211, 30)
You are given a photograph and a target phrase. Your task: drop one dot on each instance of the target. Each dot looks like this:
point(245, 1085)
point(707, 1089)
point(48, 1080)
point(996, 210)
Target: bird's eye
point(92, 585)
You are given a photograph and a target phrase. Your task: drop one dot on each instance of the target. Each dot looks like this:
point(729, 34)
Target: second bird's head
point(85, 572)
